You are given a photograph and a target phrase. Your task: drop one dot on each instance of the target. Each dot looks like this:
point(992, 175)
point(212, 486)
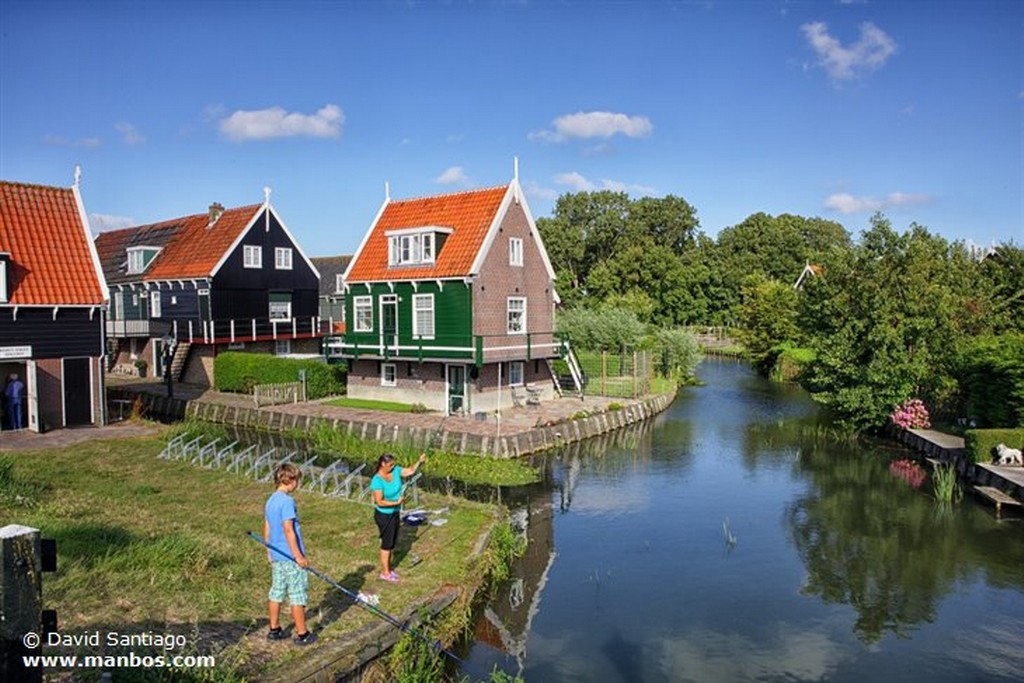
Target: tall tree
point(886, 314)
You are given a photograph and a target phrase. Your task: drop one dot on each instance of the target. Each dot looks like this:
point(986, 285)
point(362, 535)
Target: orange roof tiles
point(52, 261)
point(190, 248)
point(469, 214)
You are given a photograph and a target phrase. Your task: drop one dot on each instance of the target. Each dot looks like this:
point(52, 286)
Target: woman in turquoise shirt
point(386, 488)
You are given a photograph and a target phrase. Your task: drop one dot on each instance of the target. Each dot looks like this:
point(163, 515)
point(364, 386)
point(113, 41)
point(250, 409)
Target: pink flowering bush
point(908, 471)
point(911, 415)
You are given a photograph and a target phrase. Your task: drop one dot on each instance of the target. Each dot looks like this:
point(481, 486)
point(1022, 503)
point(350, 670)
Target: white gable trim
point(366, 238)
point(238, 240)
point(514, 193)
point(269, 209)
point(87, 234)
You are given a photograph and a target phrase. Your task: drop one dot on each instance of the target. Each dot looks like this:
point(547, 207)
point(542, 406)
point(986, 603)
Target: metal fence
point(256, 462)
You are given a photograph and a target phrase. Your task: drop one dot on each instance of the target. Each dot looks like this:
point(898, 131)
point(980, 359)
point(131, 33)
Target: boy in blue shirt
point(281, 529)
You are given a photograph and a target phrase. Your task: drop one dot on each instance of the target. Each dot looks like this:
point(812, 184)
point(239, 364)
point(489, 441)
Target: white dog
point(1009, 456)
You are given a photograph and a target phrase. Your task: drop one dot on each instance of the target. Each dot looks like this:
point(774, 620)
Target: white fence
point(285, 392)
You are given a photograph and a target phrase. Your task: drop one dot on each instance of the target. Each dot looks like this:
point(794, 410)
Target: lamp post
point(169, 345)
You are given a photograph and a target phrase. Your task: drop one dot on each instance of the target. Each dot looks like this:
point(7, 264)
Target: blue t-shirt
point(280, 507)
point(392, 489)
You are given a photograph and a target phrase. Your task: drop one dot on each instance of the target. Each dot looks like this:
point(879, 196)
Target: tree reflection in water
point(870, 541)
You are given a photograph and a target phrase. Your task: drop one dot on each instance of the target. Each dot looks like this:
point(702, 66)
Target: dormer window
point(415, 246)
point(139, 258)
point(339, 283)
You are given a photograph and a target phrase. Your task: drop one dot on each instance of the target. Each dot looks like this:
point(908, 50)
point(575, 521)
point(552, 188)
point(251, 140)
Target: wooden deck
point(999, 484)
point(996, 496)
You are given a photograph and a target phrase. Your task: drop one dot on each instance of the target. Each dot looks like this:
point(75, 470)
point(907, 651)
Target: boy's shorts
point(289, 578)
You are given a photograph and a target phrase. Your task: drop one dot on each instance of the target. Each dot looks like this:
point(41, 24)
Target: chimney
point(216, 209)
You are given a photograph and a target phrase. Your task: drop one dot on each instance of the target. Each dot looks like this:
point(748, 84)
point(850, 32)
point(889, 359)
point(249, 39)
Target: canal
point(732, 539)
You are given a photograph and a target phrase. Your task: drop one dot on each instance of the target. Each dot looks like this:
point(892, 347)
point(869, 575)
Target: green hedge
point(238, 371)
point(981, 443)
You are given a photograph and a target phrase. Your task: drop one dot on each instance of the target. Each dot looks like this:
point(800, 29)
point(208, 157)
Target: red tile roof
point(52, 259)
point(191, 249)
point(469, 214)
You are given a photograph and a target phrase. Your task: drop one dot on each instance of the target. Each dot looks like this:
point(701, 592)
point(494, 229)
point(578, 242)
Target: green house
point(450, 303)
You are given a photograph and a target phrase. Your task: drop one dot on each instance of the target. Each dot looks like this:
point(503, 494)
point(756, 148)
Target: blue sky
point(831, 109)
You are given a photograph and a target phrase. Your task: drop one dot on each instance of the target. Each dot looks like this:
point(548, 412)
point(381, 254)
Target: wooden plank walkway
point(996, 496)
point(940, 439)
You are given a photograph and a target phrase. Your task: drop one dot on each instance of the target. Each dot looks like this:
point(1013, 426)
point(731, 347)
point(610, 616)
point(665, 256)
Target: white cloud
point(544, 193)
point(578, 183)
point(453, 176)
point(265, 124)
point(129, 133)
point(846, 203)
point(594, 124)
point(101, 222)
point(57, 141)
point(842, 63)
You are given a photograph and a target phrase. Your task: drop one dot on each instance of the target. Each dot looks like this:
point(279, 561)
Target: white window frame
point(3, 279)
point(423, 331)
point(516, 367)
point(136, 259)
point(513, 315)
point(154, 304)
point(288, 312)
point(365, 303)
point(282, 347)
point(515, 251)
point(388, 369)
point(411, 249)
point(252, 256)
point(118, 305)
point(282, 258)
point(339, 284)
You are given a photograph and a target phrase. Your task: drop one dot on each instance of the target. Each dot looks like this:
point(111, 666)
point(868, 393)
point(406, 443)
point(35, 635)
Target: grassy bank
point(145, 544)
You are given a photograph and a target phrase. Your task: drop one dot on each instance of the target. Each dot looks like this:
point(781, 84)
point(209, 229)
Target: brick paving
point(513, 420)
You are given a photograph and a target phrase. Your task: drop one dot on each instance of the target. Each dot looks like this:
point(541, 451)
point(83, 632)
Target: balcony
point(477, 349)
point(230, 331)
point(120, 329)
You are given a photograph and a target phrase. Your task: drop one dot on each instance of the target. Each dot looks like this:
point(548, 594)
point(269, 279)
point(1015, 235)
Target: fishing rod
point(435, 644)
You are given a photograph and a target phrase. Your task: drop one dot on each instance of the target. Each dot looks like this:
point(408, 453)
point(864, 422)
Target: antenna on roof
point(78, 174)
point(387, 191)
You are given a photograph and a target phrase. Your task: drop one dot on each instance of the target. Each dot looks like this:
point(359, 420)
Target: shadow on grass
point(85, 543)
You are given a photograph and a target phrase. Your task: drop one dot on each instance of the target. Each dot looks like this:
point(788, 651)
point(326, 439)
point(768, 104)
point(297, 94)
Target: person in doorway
point(288, 572)
point(14, 393)
point(386, 488)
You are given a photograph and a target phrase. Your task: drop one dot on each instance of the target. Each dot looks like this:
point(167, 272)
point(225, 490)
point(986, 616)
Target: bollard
point(20, 600)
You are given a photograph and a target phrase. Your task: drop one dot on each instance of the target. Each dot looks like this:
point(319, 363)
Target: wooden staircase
point(180, 359)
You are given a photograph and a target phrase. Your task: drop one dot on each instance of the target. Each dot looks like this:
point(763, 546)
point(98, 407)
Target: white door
point(32, 392)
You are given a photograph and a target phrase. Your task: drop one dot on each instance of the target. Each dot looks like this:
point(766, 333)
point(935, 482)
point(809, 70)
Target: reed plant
point(945, 485)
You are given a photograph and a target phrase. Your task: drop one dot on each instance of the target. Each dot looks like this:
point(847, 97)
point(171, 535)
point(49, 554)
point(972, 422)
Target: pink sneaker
point(392, 577)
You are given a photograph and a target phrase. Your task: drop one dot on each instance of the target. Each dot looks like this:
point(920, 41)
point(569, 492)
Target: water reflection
point(838, 571)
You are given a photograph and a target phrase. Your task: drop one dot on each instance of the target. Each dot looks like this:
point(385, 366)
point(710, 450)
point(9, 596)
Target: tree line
point(875, 321)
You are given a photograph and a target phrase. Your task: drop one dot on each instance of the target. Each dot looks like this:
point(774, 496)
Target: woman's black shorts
point(388, 525)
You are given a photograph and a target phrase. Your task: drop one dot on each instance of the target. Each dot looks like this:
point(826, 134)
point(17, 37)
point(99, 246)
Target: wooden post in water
point(21, 602)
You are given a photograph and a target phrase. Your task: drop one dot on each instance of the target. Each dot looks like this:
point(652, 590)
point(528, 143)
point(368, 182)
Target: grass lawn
point(147, 544)
point(391, 406)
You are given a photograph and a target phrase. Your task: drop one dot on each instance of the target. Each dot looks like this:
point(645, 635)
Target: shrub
point(993, 375)
point(911, 415)
point(240, 372)
point(981, 443)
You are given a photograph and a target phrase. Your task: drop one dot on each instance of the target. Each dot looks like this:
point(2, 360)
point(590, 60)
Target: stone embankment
point(518, 432)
